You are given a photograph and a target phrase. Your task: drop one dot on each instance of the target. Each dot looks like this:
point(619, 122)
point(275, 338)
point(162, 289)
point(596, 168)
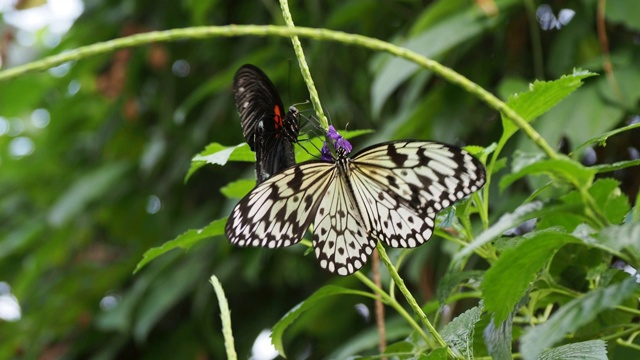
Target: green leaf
point(574, 314)
point(602, 139)
point(437, 354)
point(542, 96)
point(451, 280)
point(586, 350)
point(506, 222)
point(619, 165)
point(610, 199)
point(622, 237)
point(458, 334)
point(288, 319)
point(624, 12)
point(88, 188)
point(562, 169)
point(238, 189)
point(218, 154)
point(184, 241)
point(508, 279)
point(432, 43)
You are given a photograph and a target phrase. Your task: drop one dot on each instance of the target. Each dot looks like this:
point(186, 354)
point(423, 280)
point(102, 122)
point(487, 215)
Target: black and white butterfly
point(390, 192)
point(269, 131)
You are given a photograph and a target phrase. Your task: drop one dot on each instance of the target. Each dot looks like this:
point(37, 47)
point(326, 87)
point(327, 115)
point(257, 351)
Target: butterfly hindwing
point(267, 128)
point(340, 239)
point(279, 211)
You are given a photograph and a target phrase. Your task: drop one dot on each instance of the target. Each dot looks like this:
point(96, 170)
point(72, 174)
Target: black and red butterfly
point(269, 131)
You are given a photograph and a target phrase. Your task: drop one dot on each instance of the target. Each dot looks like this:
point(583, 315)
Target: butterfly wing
point(400, 186)
point(278, 212)
point(267, 128)
point(341, 242)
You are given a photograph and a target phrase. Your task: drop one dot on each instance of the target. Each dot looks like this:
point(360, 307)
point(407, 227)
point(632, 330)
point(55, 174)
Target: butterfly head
point(341, 146)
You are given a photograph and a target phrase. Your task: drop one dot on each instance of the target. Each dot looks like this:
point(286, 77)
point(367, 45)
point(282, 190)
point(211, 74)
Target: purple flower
point(333, 134)
point(325, 153)
point(343, 144)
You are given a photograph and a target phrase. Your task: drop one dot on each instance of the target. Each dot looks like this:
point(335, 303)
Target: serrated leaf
point(506, 282)
point(498, 339)
point(619, 165)
point(573, 315)
point(288, 319)
point(506, 222)
point(562, 169)
point(458, 334)
point(218, 154)
point(602, 139)
point(542, 96)
point(184, 241)
point(238, 189)
point(586, 350)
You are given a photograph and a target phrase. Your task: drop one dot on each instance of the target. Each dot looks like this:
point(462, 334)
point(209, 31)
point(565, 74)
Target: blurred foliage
point(112, 138)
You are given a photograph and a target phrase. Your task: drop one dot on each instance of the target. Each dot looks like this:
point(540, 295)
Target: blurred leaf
point(432, 43)
point(292, 315)
point(88, 188)
point(508, 279)
point(458, 333)
point(238, 189)
point(624, 12)
point(586, 350)
point(218, 154)
point(604, 168)
point(542, 96)
point(573, 315)
point(437, 354)
point(562, 170)
point(184, 241)
point(159, 300)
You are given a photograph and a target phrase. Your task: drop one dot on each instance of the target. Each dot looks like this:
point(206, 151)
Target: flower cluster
point(340, 144)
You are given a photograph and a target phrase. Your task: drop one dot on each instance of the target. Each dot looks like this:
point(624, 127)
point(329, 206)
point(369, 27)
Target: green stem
point(304, 68)
point(206, 32)
point(411, 300)
point(394, 304)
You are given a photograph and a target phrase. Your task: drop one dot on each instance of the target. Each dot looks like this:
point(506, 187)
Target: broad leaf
point(238, 189)
point(563, 170)
point(458, 334)
point(218, 154)
point(184, 241)
point(574, 314)
point(508, 279)
point(292, 315)
point(586, 350)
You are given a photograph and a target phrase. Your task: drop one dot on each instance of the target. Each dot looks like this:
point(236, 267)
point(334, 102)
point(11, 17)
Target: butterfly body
point(267, 128)
point(389, 192)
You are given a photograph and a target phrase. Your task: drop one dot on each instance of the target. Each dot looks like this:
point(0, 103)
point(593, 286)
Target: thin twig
point(375, 269)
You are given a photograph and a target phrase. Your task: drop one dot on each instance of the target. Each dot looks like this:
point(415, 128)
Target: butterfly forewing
point(341, 242)
point(389, 217)
point(425, 176)
point(278, 211)
point(269, 130)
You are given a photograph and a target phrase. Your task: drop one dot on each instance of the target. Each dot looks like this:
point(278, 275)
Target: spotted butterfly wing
point(267, 128)
point(390, 191)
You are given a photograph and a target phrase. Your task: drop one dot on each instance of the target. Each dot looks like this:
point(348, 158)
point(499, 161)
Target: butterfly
point(390, 192)
point(269, 131)
point(548, 20)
